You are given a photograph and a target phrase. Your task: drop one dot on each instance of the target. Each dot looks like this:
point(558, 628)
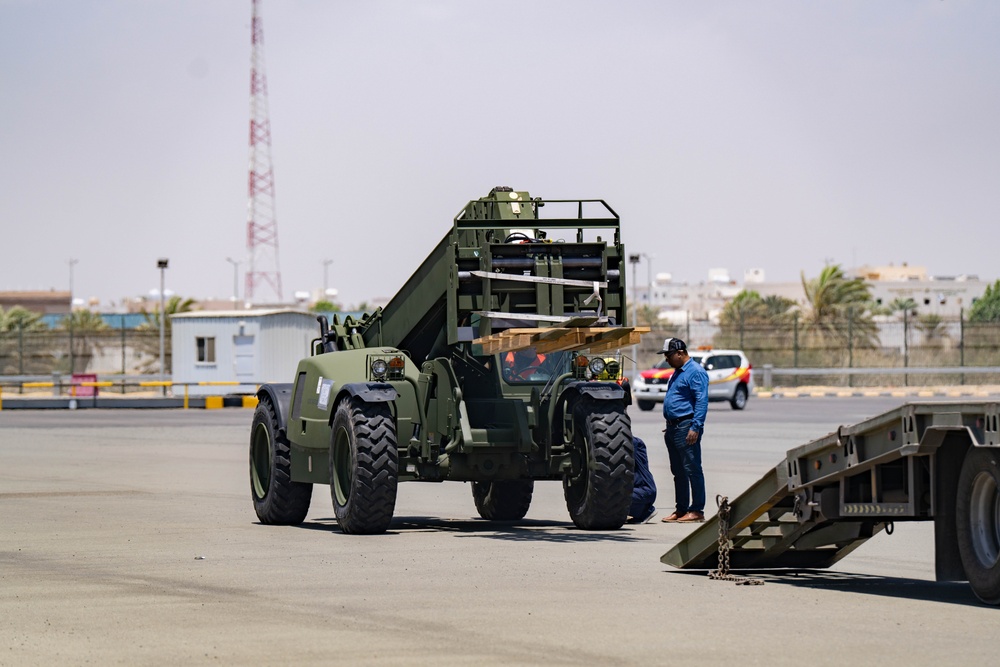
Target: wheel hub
point(984, 516)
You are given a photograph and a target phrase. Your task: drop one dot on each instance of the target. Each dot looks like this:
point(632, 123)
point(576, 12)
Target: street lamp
point(71, 262)
point(326, 282)
point(162, 264)
point(236, 280)
point(633, 259)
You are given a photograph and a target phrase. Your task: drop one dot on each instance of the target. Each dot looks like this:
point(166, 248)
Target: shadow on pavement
point(525, 530)
point(951, 592)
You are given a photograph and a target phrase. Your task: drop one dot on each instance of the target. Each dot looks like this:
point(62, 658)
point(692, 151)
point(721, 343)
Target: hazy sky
point(773, 135)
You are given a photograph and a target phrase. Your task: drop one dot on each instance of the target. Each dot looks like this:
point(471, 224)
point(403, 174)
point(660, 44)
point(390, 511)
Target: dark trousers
point(644, 488)
point(685, 464)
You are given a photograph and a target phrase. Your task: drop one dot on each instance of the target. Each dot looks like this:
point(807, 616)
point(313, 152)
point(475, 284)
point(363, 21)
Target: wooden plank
point(560, 339)
point(563, 342)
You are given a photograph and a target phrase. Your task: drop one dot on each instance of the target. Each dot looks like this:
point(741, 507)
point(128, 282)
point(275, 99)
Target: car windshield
point(527, 365)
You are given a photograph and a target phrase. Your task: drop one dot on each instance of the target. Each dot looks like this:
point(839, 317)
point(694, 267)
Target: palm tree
point(769, 318)
point(173, 306)
point(14, 322)
point(901, 305)
point(933, 328)
point(148, 344)
point(84, 327)
point(839, 308)
point(18, 317)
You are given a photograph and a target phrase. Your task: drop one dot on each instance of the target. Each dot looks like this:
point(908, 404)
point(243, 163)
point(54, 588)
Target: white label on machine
point(324, 393)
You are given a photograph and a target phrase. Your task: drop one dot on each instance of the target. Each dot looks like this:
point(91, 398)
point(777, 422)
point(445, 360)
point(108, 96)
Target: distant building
point(678, 302)
point(46, 303)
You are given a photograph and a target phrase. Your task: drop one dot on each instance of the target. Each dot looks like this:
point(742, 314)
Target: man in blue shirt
point(685, 407)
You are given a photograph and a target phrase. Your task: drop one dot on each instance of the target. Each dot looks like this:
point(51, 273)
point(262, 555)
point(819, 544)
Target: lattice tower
point(262, 226)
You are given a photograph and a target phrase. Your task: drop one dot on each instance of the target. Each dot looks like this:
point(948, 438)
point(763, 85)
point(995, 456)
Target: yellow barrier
point(211, 402)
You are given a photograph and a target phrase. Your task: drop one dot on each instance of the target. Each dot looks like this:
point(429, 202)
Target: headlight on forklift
point(379, 369)
point(597, 365)
point(614, 369)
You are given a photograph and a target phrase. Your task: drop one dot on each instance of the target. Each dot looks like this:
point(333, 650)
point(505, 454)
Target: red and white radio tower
point(262, 227)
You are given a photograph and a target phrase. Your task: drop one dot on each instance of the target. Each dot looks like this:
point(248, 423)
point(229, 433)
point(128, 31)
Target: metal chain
point(724, 547)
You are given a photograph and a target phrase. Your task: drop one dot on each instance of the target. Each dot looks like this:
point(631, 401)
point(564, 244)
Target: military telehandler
point(487, 367)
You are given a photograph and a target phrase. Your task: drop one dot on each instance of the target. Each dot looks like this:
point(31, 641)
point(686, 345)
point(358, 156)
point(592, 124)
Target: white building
point(249, 347)
point(679, 302)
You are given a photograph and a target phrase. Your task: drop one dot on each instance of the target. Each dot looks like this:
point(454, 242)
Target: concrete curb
point(117, 402)
point(875, 393)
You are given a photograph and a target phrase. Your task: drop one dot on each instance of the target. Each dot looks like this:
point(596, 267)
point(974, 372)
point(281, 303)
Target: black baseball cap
point(673, 345)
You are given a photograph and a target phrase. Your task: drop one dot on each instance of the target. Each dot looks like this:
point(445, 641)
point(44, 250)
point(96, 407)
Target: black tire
point(363, 466)
point(739, 399)
point(977, 519)
point(506, 500)
point(646, 406)
point(599, 494)
point(277, 500)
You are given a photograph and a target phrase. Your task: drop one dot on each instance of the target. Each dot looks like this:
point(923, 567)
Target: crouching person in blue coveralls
point(644, 487)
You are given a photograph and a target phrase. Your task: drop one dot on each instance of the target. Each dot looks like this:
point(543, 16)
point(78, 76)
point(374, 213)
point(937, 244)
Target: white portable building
point(250, 347)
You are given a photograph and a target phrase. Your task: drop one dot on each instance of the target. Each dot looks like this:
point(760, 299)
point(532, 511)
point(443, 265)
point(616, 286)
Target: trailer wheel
point(739, 399)
point(363, 466)
point(506, 500)
point(978, 521)
point(276, 498)
point(646, 406)
point(599, 493)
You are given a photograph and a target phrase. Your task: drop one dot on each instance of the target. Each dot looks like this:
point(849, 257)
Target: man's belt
point(675, 422)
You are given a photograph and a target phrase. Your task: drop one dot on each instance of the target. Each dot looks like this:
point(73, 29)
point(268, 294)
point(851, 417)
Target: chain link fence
point(907, 343)
point(57, 351)
point(924, 343)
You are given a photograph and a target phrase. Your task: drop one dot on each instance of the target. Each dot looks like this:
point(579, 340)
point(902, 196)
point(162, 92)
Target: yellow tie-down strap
point(561, 339)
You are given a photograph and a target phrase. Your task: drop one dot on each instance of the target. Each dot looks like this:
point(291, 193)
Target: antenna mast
point(262, 227)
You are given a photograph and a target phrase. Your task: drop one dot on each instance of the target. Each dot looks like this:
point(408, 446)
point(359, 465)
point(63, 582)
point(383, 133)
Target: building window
point(206, 349)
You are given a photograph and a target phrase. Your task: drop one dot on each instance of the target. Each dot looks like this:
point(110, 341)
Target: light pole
point(162, 264)
point(236, 280)
point(71, 263)
point(326, 282)
point(634, 261)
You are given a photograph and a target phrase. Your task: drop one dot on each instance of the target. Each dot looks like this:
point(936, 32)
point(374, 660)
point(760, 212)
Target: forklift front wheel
point(363, 466)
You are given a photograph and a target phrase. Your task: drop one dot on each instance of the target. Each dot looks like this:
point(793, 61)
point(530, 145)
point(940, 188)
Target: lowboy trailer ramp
point(935, 461)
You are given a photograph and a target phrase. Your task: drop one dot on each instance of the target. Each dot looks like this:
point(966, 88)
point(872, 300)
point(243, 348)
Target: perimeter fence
point(33, 352)
point(922, 344)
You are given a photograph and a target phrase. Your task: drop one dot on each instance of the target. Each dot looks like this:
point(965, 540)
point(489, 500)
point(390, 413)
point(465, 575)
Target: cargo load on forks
point(490, 366)
point(935, 461)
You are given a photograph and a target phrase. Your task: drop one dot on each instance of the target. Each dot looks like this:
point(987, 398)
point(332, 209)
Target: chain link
point(725, 545)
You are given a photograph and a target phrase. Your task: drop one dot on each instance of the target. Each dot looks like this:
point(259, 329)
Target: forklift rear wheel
point(363, 466)
point(506, 500)
point(276, 498)
point(978, 521)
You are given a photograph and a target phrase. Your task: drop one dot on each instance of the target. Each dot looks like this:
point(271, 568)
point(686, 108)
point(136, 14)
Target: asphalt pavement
point(128, 537)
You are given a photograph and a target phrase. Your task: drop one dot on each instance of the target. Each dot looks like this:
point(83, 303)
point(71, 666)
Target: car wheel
point(739, 399)
point(646, 406)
